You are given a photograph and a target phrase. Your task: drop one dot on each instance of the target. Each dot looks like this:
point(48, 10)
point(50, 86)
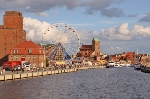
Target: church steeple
point(96, 46)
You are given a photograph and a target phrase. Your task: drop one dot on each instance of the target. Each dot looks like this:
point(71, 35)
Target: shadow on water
point(107, 83)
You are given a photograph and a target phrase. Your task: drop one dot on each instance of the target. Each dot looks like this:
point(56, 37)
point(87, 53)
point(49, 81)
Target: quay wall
point(43, 73)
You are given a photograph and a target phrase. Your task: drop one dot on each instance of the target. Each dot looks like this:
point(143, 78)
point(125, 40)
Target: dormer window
point(30, 51)
point(15, 51)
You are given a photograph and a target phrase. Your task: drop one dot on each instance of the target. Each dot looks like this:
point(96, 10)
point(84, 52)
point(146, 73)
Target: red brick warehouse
point(11, 33)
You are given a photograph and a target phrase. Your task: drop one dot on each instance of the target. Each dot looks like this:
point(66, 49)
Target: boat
point(137, 66)
point(118, 64)
point(110, 64)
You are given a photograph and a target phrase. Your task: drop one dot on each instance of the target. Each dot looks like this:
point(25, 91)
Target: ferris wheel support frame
point(57, 26)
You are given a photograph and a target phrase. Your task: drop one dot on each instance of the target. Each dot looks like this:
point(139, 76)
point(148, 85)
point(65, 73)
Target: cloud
point(141, 31)
point(136, 15)
point(49, 33)
point(112, 12)
point(103, 7)
point(107, 22)
point(41, 6)
point(123, 33)
point(146, 18)
point(35, 28)
point(113, 40)
point(37, 6)
point(123, 29)
point(43, 14)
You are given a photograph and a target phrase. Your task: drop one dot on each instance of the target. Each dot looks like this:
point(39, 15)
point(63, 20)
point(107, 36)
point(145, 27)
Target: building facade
point(28, 51)
point(11, 33)
point(90, 51)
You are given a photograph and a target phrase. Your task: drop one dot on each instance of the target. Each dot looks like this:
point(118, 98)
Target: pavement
point(20, 72)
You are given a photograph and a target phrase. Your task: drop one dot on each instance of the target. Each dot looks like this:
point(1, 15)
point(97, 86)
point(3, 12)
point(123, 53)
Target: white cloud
point(123, 33)
point(48, 33)
point(107, 22)
point(140, 30)
point(113, 40)
point(124, 29)
point(35, 28)
point(43, 14)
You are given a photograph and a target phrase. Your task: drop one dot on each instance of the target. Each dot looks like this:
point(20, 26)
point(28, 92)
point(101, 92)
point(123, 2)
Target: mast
point(137, 56)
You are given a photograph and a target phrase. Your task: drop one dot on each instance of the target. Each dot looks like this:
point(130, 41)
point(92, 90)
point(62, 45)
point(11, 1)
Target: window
point(29, 57)
point(30, 51)
point(15, 51)
point(12, 57)
point(23, 56)
point(34, 57)
point(16, 57)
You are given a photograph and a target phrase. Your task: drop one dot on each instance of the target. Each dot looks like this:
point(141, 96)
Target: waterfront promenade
point(9, 75)
point(105, 83)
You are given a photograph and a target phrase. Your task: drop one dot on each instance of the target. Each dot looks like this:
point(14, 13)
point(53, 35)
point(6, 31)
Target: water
point(107, 83)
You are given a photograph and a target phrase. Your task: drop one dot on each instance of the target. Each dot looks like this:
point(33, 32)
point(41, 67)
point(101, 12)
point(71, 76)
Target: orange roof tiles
point(27, 44)
point(24, 47)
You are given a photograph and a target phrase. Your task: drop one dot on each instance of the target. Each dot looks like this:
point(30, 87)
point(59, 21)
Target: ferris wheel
point(66, 42)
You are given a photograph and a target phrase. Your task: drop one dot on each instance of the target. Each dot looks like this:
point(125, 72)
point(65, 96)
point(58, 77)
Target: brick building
point(11, 33)
point(90, 51)
point(28, 51)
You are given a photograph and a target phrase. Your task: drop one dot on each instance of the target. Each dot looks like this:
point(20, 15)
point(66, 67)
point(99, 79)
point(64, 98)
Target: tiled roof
point(24, 47)
point(27, 44)
point(86, 47)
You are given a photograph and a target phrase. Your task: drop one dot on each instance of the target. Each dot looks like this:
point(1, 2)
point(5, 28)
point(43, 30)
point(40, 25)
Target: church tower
point(96, 46)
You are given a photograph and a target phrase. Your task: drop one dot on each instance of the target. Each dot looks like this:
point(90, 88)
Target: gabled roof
point(27, 44)
point(27, 47)
point(86, 47)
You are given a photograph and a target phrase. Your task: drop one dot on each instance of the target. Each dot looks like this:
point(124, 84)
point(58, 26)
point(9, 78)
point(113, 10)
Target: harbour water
point(103, 83)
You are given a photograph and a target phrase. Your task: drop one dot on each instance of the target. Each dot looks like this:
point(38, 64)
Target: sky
point(121, 25)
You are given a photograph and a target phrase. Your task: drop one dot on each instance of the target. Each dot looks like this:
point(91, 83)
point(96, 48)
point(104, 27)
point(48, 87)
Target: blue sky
point(121, 25)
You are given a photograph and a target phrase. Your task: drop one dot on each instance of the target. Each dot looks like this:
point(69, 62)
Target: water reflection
point(108, 83)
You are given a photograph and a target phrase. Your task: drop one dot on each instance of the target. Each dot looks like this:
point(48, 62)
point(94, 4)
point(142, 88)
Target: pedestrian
point(22, 68)
point(3, 71)
point(32, 69)
point(37, 69)
point(12, 69)
point(17, 69)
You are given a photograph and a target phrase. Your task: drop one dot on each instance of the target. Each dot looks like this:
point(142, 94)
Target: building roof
point(27, 47)
point(96, 39)
point(86, 47)
point(27, 44)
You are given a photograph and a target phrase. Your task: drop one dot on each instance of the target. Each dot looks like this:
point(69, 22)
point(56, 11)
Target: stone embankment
point(42, 73)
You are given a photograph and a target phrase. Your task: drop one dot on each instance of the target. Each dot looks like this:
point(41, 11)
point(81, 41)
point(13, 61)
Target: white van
point(27, 66)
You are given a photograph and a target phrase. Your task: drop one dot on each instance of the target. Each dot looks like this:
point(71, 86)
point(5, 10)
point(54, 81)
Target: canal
point(104, 83)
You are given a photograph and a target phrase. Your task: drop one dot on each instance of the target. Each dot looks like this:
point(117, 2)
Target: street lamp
point(43, 46)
